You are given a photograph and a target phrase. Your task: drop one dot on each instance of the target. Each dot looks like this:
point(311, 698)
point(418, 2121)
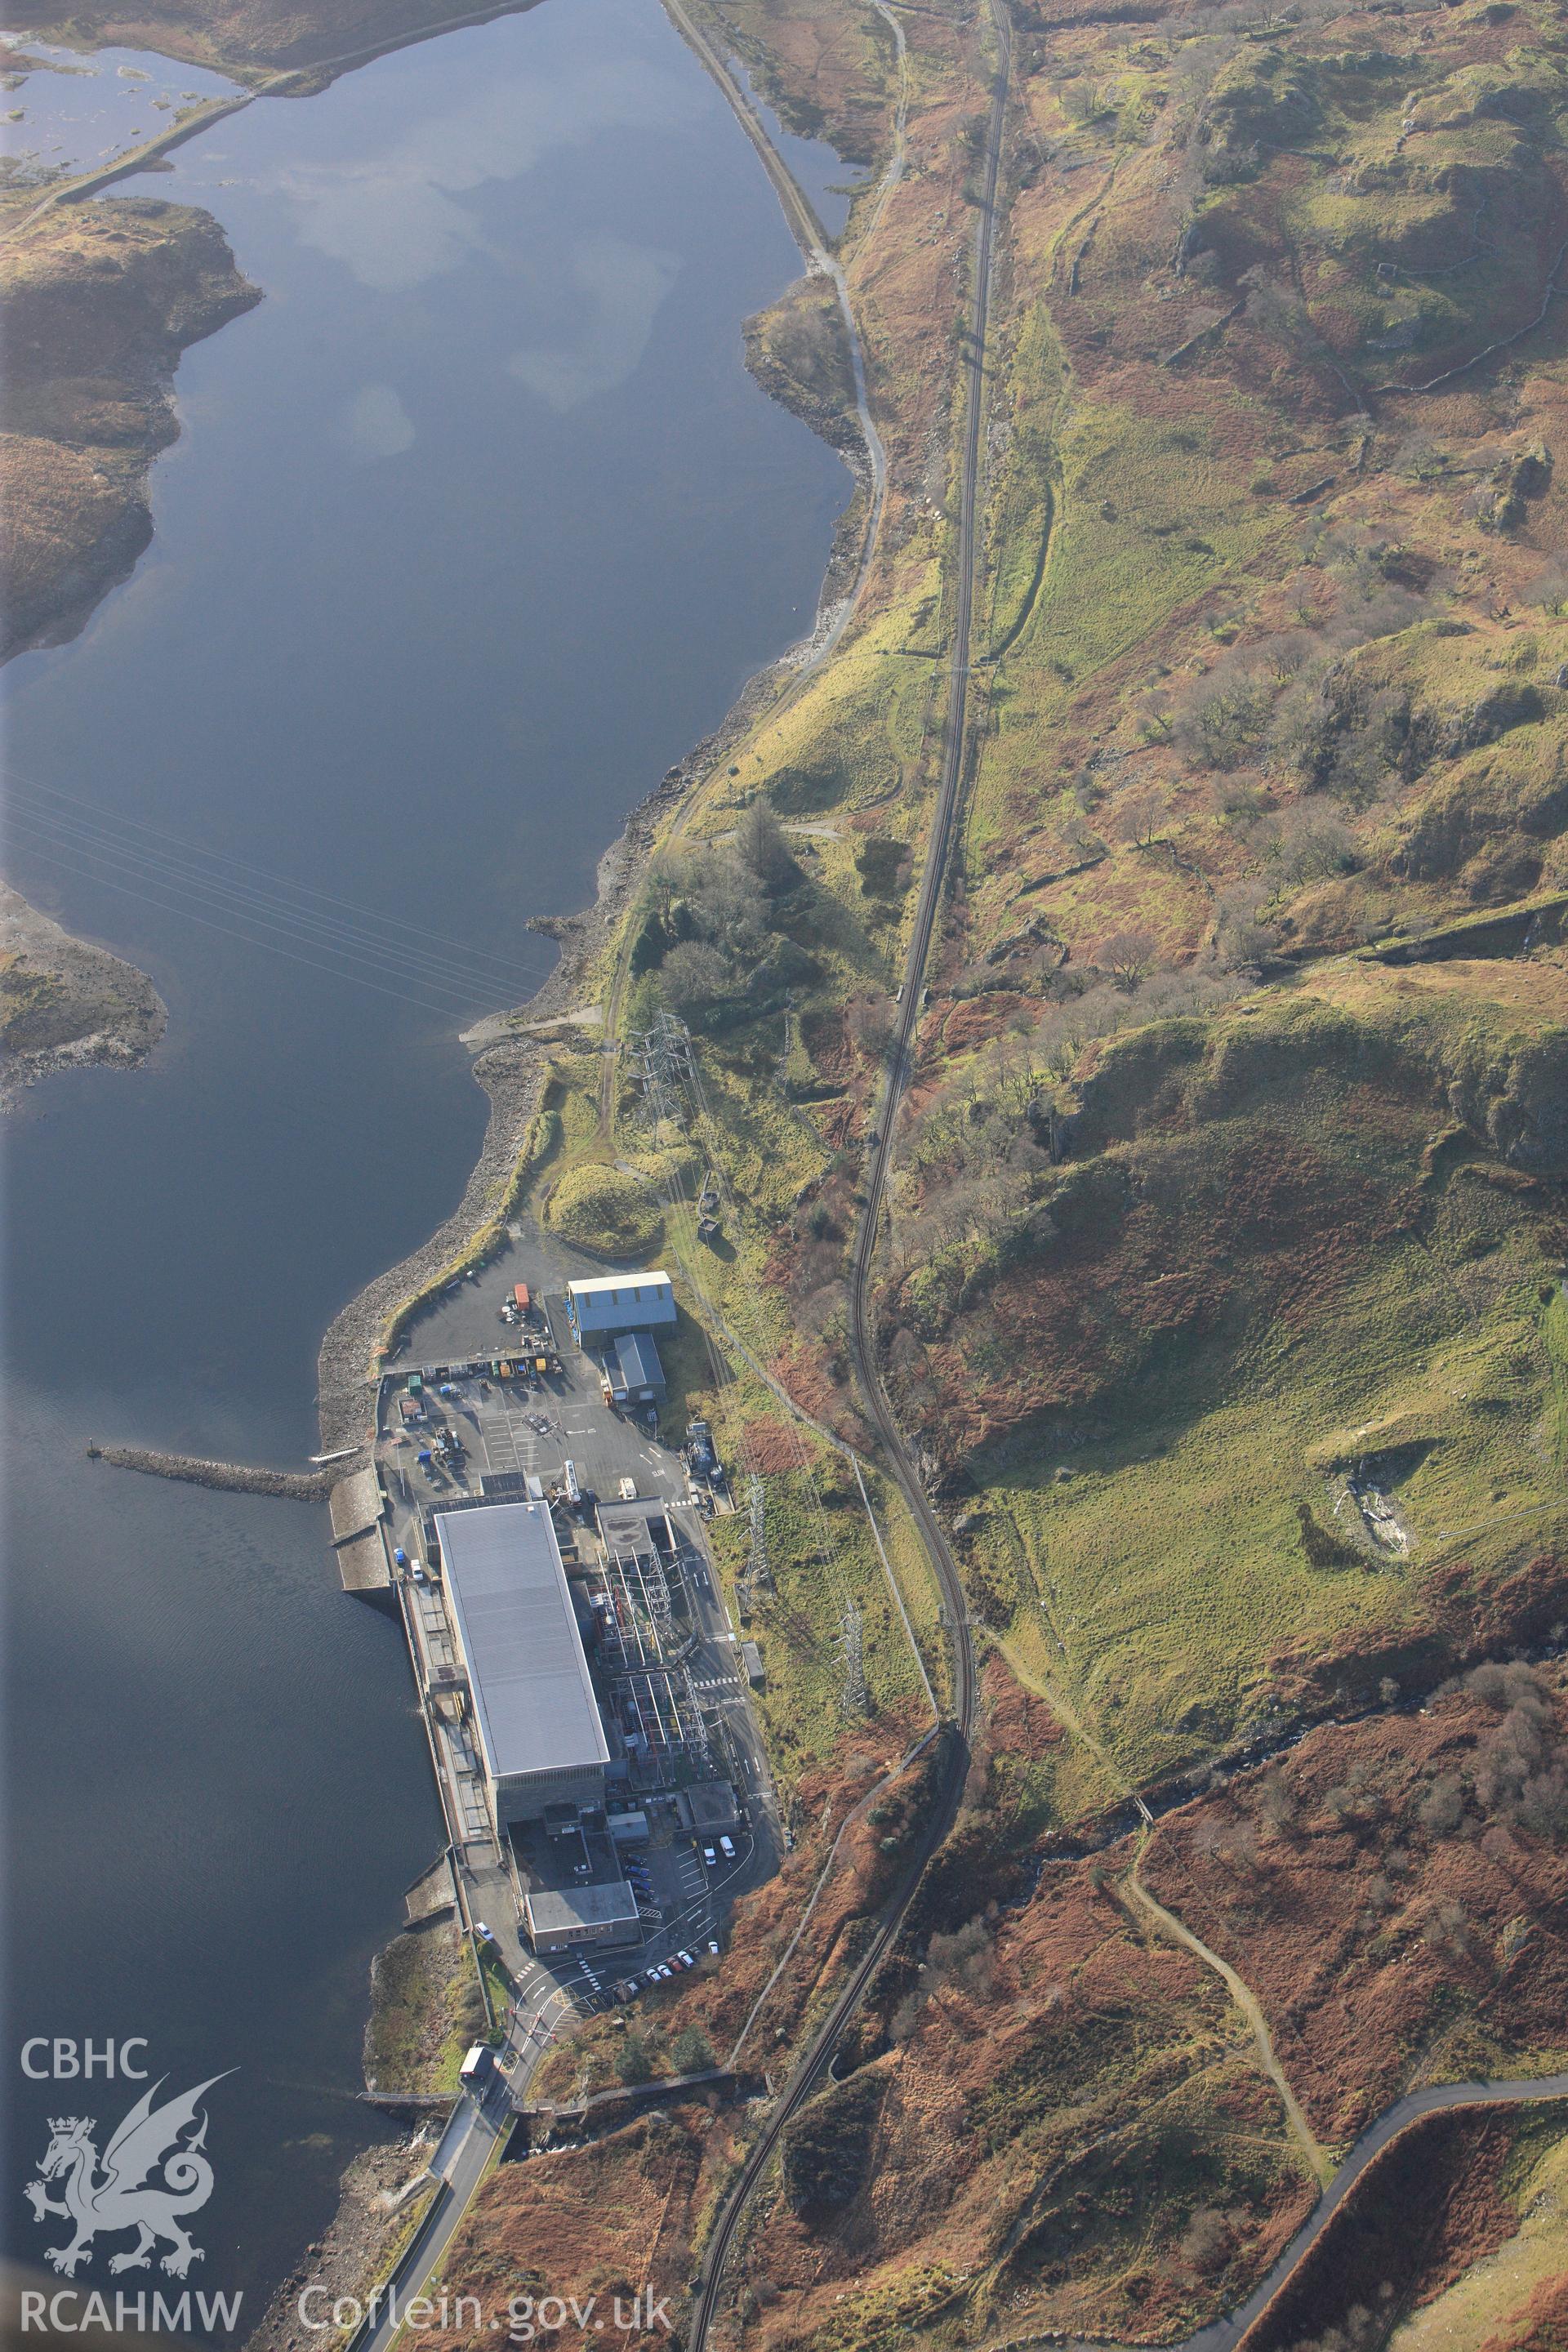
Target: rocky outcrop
point(1519, 1104)
point(798, 352)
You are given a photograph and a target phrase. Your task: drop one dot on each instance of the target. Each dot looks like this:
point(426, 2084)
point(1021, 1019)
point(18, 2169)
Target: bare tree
point(1139, 819)
point(1129, 955)
point(762, 848)
point(871, 1026)
point(694, 976)
point(1277, 1802)
point(1442, 1808)
point(1207, 2242)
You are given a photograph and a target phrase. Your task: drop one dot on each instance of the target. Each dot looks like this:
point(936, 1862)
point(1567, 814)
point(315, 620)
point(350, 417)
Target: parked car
point(726, 1848)
point(713, 1946)
point(687, 1960)
point(710, 1857)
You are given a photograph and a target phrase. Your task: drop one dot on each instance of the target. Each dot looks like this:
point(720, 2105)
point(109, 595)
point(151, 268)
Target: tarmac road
point(1224, 2334)
point(478, 2135)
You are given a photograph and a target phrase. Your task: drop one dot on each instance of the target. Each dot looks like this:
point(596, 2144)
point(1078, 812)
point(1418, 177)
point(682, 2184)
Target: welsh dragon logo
point(150, 2177)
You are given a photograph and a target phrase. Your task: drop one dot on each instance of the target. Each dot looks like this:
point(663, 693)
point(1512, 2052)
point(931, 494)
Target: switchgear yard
point(584, 1694)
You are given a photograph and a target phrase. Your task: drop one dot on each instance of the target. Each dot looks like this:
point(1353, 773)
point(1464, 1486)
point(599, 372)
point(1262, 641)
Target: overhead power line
point(244, 901)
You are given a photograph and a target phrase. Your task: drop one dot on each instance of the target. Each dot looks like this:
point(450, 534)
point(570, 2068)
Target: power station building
point(533, 1706)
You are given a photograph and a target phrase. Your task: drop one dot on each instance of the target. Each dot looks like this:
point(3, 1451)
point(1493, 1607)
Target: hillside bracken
point(1219, 1287)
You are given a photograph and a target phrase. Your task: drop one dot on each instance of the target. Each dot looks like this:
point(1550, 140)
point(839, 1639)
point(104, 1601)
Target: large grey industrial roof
point(508, 1592)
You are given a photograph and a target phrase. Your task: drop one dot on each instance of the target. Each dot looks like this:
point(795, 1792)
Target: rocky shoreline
point(383, 2194)
point(64, 1003)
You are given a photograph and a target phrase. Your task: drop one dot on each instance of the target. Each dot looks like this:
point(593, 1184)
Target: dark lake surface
point(476, 523)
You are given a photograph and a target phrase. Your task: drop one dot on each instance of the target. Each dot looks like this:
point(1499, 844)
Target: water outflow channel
point(476, 523)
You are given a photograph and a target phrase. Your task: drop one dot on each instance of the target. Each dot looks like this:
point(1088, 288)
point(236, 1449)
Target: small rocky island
point(64, 1003)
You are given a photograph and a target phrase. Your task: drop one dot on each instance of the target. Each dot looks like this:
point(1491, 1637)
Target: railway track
point(814, 2062)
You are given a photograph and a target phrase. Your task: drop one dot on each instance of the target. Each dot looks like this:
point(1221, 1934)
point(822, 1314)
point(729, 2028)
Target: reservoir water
point(476, 524)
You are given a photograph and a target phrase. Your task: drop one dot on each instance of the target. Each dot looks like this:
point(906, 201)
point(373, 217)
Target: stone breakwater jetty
point(233, 1477)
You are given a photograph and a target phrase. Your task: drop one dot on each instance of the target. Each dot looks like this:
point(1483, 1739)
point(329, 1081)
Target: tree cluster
point(709, 916)
point(1517, 1777)
point(967, 1957)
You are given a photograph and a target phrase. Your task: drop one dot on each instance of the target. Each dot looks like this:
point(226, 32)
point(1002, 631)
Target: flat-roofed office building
point(559, 1918)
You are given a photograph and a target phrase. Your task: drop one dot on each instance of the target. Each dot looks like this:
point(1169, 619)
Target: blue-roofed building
point(608, 1303)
